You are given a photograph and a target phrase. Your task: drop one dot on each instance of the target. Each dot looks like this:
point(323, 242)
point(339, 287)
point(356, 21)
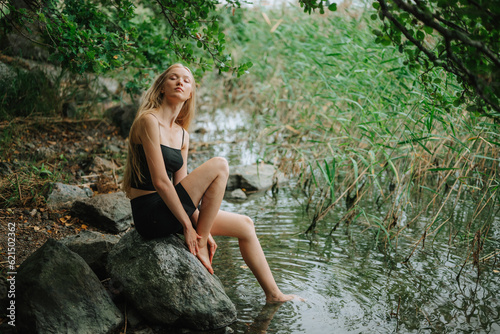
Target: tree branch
point(450, 34)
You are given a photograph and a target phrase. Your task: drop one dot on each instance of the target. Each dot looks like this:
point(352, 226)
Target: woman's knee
point(221, 166)
point(248, 223)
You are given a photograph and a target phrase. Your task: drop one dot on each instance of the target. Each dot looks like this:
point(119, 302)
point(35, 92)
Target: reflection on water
point(351, 283)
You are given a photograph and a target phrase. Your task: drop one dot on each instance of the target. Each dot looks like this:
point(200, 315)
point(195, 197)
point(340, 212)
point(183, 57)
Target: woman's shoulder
point(148, 118)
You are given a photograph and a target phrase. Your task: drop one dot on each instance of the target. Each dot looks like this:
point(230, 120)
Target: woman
point(165, 198)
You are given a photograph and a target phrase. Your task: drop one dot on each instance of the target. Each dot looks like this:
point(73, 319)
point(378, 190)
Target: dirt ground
point(37, 152)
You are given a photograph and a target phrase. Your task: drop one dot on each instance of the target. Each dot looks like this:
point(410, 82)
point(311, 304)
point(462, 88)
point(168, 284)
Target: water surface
point(352, 282)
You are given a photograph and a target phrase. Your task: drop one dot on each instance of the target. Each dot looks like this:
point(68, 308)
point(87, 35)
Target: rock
point(103, 165)
point(63, 195)
point(237, 194)
point(168, 285)
point(253, 177)
point(110, 212)
point(45, 153)
point(69, 109)
point(113, 148)
point(133, 317)
point(123, 117)
point(112, 86)
point(16, 45)
point(6, 72)
point(94, 248)
point(57, 292)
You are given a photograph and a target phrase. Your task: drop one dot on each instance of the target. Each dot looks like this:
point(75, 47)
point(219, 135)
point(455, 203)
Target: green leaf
point(333, 7)
point(428, 30)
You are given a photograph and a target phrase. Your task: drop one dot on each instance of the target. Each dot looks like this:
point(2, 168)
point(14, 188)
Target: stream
point(351, 282)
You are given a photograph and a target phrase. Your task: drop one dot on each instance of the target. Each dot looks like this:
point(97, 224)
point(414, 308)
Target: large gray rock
point(57, 292)
point(63, 196)
point(110, 212)
point(94, 248)
point(168, 285)
point(253, 177)
point(123, 117)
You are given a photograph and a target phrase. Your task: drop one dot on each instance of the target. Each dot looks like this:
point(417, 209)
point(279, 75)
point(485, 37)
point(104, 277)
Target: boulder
point(110, 212)
point(123, 117)
point(236, 194)
point(102, 165)
point(253, 177)
point(167, 285)
point(57, 292)
point(63, 196)
point(94, 248)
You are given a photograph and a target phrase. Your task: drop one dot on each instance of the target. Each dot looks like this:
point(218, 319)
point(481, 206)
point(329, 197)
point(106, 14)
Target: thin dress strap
point(182, 144)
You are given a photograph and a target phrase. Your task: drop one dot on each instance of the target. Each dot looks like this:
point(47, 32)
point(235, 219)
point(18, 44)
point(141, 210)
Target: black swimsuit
point(152, 217)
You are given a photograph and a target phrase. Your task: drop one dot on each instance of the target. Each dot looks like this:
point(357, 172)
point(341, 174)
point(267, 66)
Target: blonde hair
point(152, 100)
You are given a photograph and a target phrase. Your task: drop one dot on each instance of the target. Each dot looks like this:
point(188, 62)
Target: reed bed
point(362, 133)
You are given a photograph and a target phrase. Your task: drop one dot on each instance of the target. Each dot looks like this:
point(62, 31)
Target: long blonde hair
point(152, 100)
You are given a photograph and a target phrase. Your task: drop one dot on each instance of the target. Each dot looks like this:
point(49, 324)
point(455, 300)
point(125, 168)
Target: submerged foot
point(281, 298)
point(204, 257)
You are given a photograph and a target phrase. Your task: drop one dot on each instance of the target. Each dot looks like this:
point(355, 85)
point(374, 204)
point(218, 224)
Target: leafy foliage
point(460, 36)
point(146, 36)
point(25, 93)
point(358, 128)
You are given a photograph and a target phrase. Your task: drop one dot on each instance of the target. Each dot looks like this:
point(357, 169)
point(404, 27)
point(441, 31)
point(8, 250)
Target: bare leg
point(208, 182)
point(242, 227)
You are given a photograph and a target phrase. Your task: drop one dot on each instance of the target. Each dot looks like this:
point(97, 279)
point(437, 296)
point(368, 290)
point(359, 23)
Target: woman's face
point(178, 84)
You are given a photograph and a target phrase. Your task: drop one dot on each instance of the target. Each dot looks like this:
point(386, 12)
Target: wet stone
point(237, 194)
point(94, 248)
point(62, 195)
point(57, 292)
point(167, 285)
point(254, 177)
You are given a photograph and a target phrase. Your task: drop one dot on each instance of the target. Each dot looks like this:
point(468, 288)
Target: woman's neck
point(168, 113)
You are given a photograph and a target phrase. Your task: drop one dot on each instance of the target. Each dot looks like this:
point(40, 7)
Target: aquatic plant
point(348, 119)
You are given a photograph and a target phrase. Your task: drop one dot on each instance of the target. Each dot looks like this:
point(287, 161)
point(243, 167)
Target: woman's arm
point(178, 177)
point(149, 136)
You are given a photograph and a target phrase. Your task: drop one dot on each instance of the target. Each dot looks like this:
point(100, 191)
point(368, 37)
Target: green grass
point(349, 119)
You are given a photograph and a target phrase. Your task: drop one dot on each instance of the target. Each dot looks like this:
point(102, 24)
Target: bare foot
point(204, 257)
point(281, 298)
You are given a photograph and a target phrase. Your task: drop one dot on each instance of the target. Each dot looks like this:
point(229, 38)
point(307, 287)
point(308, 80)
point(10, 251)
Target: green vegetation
point(460, 36)
point(358, 121)
point(143, 37)
point(357, 127)
point(25, 93)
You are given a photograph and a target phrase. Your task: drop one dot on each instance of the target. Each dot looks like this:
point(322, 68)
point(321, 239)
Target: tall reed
point(349, 119)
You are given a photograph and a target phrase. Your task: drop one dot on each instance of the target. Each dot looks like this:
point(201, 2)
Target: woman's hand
point(191, 239)
point(212, 247)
